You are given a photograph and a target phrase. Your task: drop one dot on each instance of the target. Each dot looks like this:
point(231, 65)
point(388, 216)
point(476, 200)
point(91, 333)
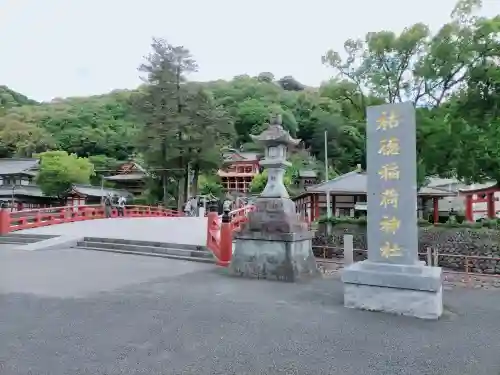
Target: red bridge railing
point(26, 219)
point(220, 233)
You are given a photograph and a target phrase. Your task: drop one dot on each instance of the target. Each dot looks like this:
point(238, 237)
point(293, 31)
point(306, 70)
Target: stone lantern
point(276, 141)
point(274, 243)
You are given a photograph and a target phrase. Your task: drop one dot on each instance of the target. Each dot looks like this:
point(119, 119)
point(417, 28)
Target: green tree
point(208, 131)
point(60, 170)
point(103, 166)
point(96, 125)
point(289, 83)
point(18, 138)
point(433, 71)
point(416, 65)
point(210, 185)
point(163, 138)
point(10, 98)
point(259, 181)
point(265, 77)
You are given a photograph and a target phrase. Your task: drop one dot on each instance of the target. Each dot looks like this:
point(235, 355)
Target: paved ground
point(184, 230)
point(81, 312)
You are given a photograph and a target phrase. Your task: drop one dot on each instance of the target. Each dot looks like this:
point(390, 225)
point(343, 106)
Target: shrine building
point(19, 191)
point(348, 194)
point(238, 170)
point(80, 195)
point(130, 177)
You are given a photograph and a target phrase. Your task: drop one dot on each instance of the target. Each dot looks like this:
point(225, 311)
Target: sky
point(59, 48)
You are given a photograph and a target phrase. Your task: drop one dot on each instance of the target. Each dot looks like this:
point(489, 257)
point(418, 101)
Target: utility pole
point(102, 189)
point(328, 203)
point(326, 157)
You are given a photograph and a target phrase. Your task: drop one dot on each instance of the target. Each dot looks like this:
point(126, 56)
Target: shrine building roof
point(355, 182)
point(9, 166)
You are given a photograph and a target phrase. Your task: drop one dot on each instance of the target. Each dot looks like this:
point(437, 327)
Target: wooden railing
point(26, 219)
point(220, 232)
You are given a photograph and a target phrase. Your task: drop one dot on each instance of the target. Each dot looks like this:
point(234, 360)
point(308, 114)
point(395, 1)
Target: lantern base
point(274, 243)
point(283, 257)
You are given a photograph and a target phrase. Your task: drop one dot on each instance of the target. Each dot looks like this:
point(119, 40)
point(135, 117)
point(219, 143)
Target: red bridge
point(213, 232)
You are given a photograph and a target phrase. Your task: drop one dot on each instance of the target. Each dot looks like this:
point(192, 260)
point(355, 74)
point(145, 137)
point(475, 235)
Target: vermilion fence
point(12, 221)
point(220, 235)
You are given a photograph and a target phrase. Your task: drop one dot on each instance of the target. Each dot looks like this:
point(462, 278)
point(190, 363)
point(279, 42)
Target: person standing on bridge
point(187, 208)
point(107, 205)
point(121, 206)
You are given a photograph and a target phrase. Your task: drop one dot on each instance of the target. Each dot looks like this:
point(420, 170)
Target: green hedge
point(491, 224)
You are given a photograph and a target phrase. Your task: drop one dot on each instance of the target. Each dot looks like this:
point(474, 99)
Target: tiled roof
point(97, 191)
point(457, 185)
point(126, 177)
point(430, 191)
point(356, 183)
point(27, 190)
point(16, 166)
point(250, 155)
point(35, 191)
point(352, 182)
point(234, 155)
point(437, 181)
point(133, 166)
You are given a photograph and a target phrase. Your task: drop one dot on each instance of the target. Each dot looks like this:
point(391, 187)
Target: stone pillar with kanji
point(393, 279)
point(274, 243)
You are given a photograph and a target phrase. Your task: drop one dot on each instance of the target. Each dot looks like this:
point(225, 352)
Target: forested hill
point(10, 98)
point(108, 124)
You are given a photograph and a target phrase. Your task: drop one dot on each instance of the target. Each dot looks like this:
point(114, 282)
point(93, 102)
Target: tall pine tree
point(162, 108)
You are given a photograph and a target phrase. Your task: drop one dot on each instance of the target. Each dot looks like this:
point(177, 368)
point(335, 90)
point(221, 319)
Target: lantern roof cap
point(275, 134)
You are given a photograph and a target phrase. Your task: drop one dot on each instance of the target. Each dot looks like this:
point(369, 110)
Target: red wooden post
point(4, 221)
point(491, 205)
point(226, 240)
point(468, 207)
point(435, 201)
point(313, 208)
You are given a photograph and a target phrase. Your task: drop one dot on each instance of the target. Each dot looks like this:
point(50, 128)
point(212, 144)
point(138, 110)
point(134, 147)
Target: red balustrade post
point(226, 240)
point(4, 221)
point(211, 217)
point(38, 218)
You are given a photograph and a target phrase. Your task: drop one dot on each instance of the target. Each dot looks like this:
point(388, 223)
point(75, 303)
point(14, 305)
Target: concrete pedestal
point(283, 257)
point(412, 290)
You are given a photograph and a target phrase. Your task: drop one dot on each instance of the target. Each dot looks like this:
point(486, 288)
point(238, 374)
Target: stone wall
point(448, 241)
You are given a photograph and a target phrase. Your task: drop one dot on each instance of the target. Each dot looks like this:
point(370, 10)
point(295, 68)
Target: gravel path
point(118, 314)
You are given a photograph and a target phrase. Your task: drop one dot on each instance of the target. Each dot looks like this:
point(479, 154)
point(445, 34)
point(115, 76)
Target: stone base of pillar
point(282, 257)
point(411, 290)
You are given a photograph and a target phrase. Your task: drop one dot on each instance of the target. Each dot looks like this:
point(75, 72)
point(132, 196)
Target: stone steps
point(145, 248)
point(18, 238)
